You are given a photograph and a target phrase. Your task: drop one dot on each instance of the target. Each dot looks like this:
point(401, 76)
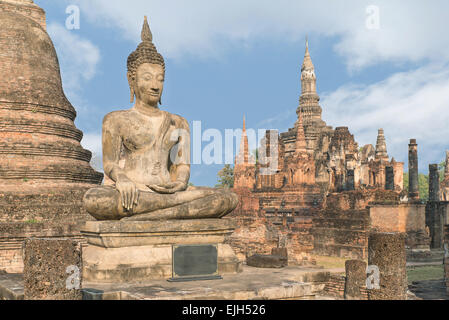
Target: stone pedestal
point(123, 252)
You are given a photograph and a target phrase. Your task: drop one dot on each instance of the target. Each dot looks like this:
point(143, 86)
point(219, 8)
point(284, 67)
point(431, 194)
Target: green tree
point(226, 177)
point(423, 185)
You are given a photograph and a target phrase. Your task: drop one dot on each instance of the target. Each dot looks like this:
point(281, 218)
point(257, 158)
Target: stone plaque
point(195, 262)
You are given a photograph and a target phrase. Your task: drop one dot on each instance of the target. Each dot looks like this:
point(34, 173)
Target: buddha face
point(149, 83)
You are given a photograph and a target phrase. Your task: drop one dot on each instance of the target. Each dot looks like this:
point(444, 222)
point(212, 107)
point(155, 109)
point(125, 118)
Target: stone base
point(123, 252)
point(252, 284)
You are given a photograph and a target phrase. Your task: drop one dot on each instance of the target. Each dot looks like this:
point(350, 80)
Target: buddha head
point(146, 70)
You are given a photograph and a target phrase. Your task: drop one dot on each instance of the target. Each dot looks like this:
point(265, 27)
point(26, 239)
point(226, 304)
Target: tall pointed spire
point(307, 64)
point(243, 156)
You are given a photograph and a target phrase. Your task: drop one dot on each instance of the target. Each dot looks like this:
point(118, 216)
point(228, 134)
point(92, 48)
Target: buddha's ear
point(160, 101)
point(131, 87)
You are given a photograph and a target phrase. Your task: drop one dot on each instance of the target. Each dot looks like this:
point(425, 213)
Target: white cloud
point(409, 30)
point(407, 105)
point(92, 142)
point(78, 57)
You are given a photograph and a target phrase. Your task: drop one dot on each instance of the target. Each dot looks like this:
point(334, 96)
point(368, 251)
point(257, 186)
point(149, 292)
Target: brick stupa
point(44, 171)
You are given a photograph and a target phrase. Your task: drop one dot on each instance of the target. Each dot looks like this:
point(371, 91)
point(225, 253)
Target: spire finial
point(146, 32)
point(244, 123)
point(307, 42)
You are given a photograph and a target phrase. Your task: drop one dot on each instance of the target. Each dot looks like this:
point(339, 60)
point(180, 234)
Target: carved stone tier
point(37, 133)
point(134, 251)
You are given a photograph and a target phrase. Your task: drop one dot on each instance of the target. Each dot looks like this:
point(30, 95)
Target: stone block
point(120, 234)
point(267, 261)
point(52, 269)
point(282, 252)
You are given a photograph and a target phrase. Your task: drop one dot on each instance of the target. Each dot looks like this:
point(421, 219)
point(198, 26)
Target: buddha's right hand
point(128, 192)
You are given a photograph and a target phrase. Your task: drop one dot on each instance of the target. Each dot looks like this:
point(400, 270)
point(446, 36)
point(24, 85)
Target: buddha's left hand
point(169, 188)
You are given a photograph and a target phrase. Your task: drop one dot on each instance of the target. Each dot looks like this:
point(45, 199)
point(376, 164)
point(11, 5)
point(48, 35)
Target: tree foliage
point(226, 177)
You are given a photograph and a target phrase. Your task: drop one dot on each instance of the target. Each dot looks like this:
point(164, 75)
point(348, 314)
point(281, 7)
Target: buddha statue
point(146, 155)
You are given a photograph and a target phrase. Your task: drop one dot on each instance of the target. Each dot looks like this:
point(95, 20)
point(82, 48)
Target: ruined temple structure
point(44, 171)
point(283, 196)
point(437, 207)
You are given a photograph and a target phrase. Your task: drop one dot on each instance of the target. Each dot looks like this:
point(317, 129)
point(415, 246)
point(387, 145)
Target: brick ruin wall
point(408, 218)
point(54, 215)
point(259, 232)
point(335, 287)
point(341, 228)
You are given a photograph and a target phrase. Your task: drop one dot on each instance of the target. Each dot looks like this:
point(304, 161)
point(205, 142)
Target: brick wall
point(335, 287)
point(407, 218)
point(11, 259)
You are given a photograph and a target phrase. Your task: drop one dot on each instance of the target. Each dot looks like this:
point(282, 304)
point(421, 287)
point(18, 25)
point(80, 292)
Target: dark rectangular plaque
point(195, 262)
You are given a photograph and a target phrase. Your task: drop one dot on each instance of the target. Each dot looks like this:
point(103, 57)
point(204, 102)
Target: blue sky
point(227, 59)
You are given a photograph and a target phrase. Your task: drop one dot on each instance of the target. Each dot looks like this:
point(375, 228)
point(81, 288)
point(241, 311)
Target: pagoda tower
point(309, 108)
point(44, 171)
point(381, 146)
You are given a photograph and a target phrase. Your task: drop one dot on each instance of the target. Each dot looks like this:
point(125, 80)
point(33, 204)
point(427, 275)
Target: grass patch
point(32, 221)
point(330, 262)
point(425, 273)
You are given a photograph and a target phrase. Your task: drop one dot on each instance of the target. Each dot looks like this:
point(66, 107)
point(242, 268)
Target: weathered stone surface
point(409, 218)
point(309, 162)
point(130, 251)
point(267, 261)
point(445, 184)
point(434, 183)
point(446, 256)
point(44, 171)
point(118, 234)
point(150, 180)
point(49, 268)
point(413, 191)
point(151, 262)
point(355, 279)
point(282, 252)
point(389, 178)
point(292, 283)
point(387, 252)
point(437, 215)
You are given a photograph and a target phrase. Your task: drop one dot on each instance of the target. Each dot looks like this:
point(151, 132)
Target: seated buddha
point(146, 155)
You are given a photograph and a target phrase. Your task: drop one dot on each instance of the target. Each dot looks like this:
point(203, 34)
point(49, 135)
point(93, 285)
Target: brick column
point(434, 183)
point(52, 269)
point(387, 252)
point(413, 189)
point(446, 256)
point(389, 178)
point(355, 279)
